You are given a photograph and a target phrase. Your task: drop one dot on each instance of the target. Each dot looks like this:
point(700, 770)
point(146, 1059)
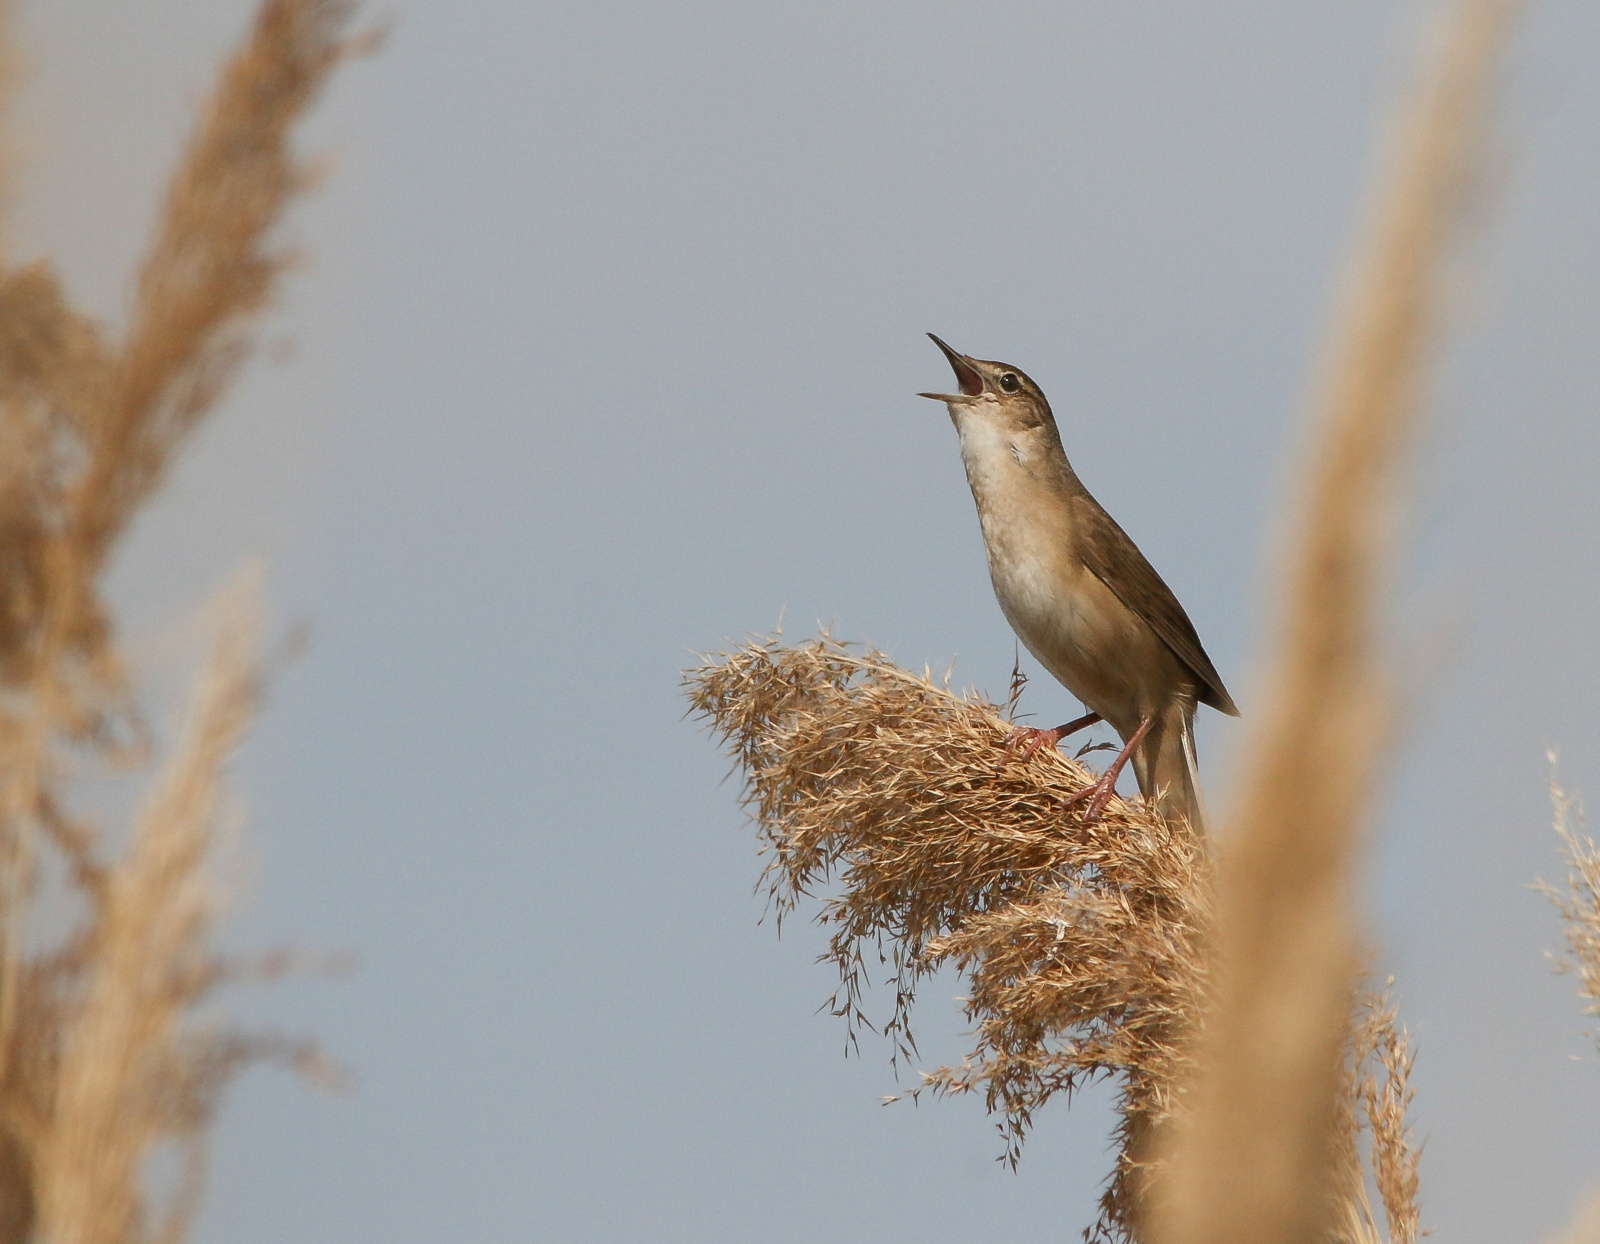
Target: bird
point(1079, 594)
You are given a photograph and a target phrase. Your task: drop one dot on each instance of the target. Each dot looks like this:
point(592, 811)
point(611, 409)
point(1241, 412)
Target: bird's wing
point(1117, 562)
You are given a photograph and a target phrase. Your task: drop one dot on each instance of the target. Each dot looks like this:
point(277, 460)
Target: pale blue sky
point(606, 350)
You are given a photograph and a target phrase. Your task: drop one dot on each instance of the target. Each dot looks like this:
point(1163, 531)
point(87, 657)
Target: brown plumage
point(1078, 592)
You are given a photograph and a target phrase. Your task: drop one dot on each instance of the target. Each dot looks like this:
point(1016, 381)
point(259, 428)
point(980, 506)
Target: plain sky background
point(604, 352)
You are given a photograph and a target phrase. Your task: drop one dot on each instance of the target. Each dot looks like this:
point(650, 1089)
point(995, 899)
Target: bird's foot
point(1027, 740)
point(1099, 795)
point(1024, 741)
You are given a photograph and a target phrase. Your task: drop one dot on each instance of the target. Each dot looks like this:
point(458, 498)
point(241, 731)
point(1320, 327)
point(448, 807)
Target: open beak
point(966, 376)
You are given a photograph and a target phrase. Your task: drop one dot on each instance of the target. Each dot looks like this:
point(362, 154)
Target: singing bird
point(1078, 592)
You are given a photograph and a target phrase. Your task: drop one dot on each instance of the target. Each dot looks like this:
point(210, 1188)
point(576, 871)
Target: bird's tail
point(1166, 767)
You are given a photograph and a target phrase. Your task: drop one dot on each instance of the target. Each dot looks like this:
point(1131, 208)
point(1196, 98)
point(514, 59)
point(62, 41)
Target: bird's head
point(992, 391)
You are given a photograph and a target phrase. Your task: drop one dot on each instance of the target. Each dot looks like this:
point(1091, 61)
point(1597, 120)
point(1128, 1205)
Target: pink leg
point(1100, 793)
point(1027, 740)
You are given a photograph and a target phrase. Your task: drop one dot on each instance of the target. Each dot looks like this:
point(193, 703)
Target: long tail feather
point(1167, 768)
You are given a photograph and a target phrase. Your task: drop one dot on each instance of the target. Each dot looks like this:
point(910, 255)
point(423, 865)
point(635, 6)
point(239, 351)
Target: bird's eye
point(1009, 382)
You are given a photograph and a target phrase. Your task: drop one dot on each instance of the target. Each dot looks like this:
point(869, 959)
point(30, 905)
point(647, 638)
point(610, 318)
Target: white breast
point(1063, 614)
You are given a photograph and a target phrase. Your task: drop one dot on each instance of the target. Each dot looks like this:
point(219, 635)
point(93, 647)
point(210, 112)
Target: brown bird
point(1078, 592)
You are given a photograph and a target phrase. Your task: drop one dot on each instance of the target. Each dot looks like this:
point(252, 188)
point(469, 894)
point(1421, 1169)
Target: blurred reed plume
point(1578, 902)
point(1082, 945)
point(1583, 1227)
point(1254, 1158)
point(105, 936)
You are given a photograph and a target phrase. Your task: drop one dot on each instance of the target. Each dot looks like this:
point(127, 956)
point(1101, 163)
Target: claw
point(1028, 740)
point(1099, 795)
point(1104, 791)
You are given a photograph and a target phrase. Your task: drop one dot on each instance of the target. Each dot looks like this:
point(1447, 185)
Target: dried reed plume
point(1254, 1160)
point(100, 1060)
point(1583, 1227)
point(1082, 944)
point(1579, 901)
point(128, 1073)
point(1371, 1112)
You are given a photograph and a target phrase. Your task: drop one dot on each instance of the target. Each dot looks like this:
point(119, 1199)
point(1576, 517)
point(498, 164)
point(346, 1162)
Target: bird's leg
point(1027, 740)
point(1100, 793)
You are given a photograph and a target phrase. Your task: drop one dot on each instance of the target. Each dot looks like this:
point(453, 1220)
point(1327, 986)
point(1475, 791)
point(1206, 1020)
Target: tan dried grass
point(101, 1059)
point(1078, 941)
point(1578, 901)
point(212, 264)
point(1254, 1160)
point(1082, 945)
point(1373, 1140)
point(129, 1074)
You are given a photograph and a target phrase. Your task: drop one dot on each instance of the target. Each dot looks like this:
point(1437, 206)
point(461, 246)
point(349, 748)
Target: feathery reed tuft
point(128, 1073)
point(1254, 1160)
point(104, 950)
point(1083, 945)
point(1579, 901)
point(1080, 941)
point(1371, 1114)
point(212, 264)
